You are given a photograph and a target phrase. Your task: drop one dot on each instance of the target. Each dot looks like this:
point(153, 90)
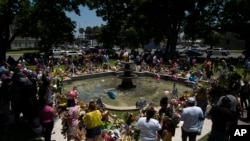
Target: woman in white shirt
point(148, 125)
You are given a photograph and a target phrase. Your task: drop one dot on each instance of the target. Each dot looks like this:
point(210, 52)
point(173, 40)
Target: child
point(168, 129)
point(175, 91)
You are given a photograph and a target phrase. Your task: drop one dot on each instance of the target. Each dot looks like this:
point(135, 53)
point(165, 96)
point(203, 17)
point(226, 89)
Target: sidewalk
point(25, 132)
point(206, 127)
point(57, 136)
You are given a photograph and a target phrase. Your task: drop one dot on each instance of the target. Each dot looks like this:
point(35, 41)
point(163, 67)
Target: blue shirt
point(192, 119)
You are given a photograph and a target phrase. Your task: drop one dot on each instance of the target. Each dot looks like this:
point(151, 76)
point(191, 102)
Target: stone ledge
point(121, 108)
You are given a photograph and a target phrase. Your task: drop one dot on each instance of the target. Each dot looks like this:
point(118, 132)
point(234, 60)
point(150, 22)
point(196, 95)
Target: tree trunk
point(247, 47)
point(3, 48)
point(172, 41)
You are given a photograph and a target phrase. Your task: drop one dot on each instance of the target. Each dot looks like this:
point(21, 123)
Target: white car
point(218, 51)
point(72, 54)
point(56, 52)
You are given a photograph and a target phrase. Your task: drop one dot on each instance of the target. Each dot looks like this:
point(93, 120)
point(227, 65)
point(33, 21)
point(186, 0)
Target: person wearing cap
point(235, 108)
point(221, 117)
point(192, 117)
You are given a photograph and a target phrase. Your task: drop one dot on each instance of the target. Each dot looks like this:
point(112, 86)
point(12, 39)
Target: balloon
point(174, 101)
point(19, 65)
point(157, 76)
point(191, 78)
point(166, 93)
point(72, 94)
point(36, 60)
point(183, 102)
point(111, 95)
point(174, 77)
point(186, 82)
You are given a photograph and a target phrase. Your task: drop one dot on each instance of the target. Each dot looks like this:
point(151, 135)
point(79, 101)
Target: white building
point(24, 42)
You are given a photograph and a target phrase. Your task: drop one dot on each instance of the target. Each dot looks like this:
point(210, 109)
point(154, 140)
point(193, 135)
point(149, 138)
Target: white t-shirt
point(148, 129)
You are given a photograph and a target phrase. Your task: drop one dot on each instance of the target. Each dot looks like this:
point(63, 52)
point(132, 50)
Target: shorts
point(91, 133)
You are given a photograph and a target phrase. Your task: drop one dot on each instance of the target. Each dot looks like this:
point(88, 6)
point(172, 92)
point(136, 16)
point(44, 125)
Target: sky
point(87, 18)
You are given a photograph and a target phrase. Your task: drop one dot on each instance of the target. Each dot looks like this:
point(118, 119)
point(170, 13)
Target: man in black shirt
point(221, 117)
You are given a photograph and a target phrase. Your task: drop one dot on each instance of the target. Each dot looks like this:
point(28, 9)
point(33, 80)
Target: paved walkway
point(206, 128)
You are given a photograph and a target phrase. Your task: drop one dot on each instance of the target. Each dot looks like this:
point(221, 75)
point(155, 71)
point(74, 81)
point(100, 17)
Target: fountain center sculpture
point(127, 75)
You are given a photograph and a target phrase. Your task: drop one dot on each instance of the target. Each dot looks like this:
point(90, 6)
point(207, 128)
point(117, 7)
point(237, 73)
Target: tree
point(201, 22)
point(150, 19)
point(235, 18)
point(115, 13)
point(41, 19)
point(52, 25)
point(81, 30)
point(11, 13)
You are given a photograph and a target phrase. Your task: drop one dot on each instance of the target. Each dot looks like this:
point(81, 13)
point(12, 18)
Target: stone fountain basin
point(146, 87)
point(132, 76)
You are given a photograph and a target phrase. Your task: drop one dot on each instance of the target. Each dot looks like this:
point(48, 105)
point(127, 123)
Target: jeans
point(48, 127)
point(190, 135)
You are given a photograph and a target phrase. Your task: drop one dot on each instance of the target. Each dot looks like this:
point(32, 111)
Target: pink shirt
point(47, 114)
point(73, 112)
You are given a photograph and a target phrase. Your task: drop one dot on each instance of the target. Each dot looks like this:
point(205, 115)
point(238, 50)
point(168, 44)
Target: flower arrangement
point(184, 96)
point(176, 118)
point(129, 118)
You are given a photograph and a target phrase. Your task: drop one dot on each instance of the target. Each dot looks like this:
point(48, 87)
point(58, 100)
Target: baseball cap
point(190, 100)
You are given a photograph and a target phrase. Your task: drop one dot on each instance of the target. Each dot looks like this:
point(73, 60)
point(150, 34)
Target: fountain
point(127, 75)
point(146, 87)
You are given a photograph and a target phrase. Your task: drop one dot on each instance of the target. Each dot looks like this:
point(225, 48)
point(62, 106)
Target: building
point(24, 42)
point(230, 41)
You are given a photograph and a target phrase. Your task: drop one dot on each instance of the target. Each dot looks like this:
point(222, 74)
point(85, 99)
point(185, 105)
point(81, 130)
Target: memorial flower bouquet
point(176, 118)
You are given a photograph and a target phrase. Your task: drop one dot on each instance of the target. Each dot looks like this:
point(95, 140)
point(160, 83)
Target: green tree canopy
point(41, 19)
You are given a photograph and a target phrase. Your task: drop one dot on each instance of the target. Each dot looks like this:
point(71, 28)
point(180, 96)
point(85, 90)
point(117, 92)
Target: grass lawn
point(21, 51)
point(236, 51)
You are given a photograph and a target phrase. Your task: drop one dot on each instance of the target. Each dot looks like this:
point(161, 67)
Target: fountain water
point(146, 86)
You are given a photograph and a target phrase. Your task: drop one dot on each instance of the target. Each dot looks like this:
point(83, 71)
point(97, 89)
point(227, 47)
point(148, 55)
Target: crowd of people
point(31, 93)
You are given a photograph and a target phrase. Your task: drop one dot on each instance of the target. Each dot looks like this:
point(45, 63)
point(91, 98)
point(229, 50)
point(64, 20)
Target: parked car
point(56, 52)
point(180, 47)
point(196, 47)
point(95, 49)
point(72, 54)
point(193, 53)
point(218, 51)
